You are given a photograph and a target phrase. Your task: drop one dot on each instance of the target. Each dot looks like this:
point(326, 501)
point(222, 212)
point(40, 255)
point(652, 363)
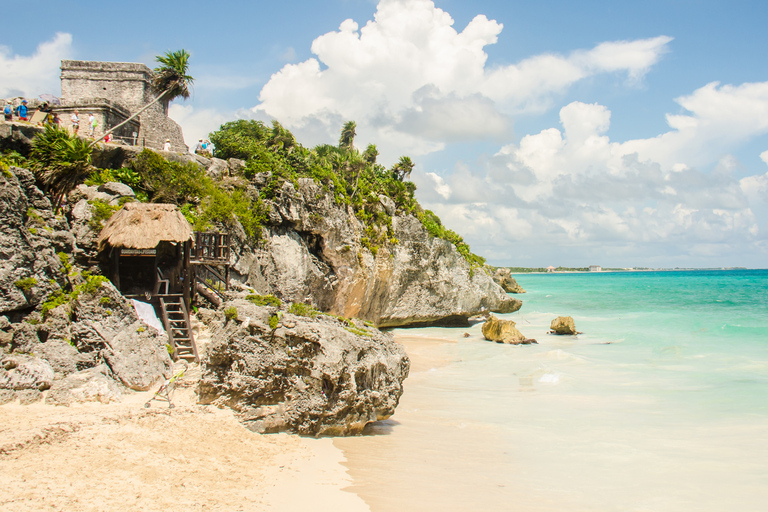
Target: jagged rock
point(26, 254)
point(236, 166)
point(28, 396)
point(90, 385)
point(117, 189)
point(312, 377)
point(314, 252)
point(563, 325)
point(7, 396)
point(504, 331)
point(503, 276)
point(25, 372)
point(218, 168)
point(137, 356)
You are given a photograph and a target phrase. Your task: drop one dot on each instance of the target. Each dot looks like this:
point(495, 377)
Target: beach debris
point(563, 325)
point(504, 331)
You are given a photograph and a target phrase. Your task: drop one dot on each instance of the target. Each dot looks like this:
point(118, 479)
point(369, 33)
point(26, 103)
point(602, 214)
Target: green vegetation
point(354, 179)
point(435, 228)
point(264, 300)
point(203, 202)
point(102, 211)
point(11, 158)
point(124, 175)
point(301, 309)
point(230, 313)
point(25, 284)
point(60, 161)
point(35, 218)
point(527, 270)
point(273, 321)
point(59, 298)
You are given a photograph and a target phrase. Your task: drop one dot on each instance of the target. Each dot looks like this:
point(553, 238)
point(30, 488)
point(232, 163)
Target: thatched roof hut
point(144, 225)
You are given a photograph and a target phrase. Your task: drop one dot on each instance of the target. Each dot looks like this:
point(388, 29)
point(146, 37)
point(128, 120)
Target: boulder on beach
point(504, 331)
point(563, 325)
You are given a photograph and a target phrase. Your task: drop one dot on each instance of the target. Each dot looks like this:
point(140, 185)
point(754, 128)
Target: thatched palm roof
point(144, 225)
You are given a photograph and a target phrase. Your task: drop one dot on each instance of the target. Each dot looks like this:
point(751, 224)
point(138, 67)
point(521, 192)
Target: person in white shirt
point(167, 145)
point(75, 121)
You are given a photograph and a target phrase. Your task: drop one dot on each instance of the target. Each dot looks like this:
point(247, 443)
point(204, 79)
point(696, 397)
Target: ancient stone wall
point(127, 84)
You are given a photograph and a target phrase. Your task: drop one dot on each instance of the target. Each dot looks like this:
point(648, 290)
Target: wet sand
point(414, 462)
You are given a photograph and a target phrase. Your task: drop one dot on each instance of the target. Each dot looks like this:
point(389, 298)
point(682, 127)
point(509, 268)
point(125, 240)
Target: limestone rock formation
point(91, 385)
point(563, 325)
point(317, 376)
point(314, 252)
point(503, 277)
point(504, 331)
point(30, 236)
point(19, 372)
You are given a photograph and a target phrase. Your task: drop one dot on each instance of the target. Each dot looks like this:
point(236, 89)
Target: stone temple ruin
point(112, 92)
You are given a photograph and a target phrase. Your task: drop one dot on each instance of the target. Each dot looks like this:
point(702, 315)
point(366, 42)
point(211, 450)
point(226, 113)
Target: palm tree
point(170, 81)
point(402, 169)
point(60, 161)
point(347, 139)
point(371, 153)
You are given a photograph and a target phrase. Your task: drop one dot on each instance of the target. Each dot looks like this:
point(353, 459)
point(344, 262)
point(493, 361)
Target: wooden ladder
point(178, 327)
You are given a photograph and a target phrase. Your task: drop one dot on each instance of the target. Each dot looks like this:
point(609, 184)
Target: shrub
point(102, 211)
point(230, 313)
point(25, 284)
point(264, 300)
point(301, 309)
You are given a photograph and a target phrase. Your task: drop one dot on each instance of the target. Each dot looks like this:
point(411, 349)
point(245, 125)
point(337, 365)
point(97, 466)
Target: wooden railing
point(211, 279)
point(211, 247)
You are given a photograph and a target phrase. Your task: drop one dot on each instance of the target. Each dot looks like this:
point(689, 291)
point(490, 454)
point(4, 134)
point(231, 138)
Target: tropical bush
point(60, 161)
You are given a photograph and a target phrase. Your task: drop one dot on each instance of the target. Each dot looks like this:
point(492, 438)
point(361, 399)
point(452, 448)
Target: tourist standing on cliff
point(8, 112)
point(75, 121)
point(167, 145)
point(21, 111)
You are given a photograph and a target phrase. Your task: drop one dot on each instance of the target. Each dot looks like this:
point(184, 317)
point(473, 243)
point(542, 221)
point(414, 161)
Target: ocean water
point(660, 404)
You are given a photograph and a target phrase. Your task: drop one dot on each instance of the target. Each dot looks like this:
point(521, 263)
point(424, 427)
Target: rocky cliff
point(313, 252)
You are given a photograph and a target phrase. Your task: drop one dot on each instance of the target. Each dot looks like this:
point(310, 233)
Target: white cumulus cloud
point(414, 83)
point(35, 74)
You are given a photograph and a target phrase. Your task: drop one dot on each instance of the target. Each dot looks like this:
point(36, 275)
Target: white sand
point(94, 457)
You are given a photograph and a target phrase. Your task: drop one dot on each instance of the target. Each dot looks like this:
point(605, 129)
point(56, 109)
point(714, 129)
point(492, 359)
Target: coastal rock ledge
point(318, 376)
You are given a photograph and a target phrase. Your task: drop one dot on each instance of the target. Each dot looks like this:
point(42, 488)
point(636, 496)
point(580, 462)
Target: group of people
point(21, 111)
point(74, 118)
point(204, 148)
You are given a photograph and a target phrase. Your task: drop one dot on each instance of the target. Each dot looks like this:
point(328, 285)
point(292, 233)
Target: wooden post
point(187, 275)
point(116, 267)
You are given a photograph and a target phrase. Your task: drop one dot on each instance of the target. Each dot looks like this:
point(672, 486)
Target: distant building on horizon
point(595, 268)
point(550, 268)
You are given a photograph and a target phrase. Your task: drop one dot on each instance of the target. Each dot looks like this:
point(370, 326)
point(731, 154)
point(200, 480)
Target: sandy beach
point(123, 456)
point(92, 456)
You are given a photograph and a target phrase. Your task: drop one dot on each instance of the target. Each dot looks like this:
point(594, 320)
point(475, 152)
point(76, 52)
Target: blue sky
point(547, 133)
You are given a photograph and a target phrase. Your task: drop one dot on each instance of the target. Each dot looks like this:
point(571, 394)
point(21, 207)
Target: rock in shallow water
point(563, 325)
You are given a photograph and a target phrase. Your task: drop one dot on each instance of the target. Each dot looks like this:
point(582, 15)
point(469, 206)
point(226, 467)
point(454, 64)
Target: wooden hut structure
point(152, 254)
point(147, 248)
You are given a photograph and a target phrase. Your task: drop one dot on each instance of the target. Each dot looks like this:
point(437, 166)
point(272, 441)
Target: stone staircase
point(178, 327)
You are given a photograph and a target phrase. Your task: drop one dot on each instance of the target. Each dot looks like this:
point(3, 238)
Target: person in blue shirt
point(8, 112)
point(21, 111)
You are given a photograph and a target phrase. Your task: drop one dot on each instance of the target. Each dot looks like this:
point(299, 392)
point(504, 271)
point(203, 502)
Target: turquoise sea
point(661, 404)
